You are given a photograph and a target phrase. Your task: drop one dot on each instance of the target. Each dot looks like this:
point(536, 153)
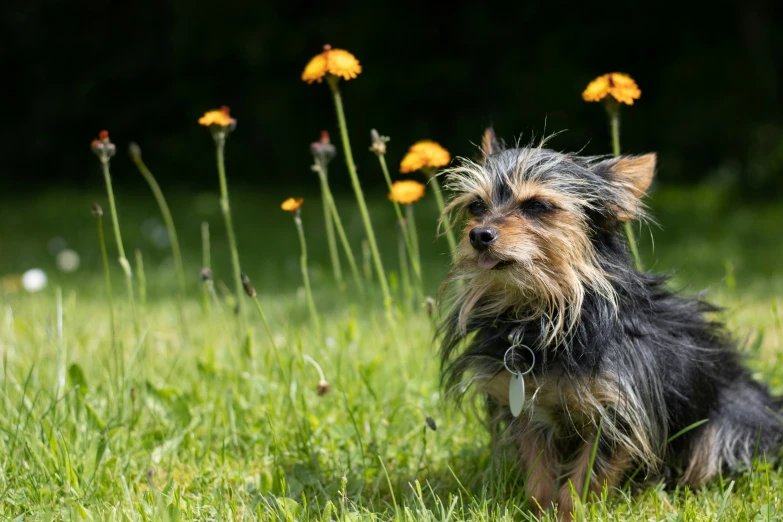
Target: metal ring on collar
point(532, 363)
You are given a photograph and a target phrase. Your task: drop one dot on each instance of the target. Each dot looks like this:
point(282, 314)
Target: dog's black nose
point(482, 237)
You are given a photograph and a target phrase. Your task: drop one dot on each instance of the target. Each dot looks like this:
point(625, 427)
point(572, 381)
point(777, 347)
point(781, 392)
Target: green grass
point(221, 430)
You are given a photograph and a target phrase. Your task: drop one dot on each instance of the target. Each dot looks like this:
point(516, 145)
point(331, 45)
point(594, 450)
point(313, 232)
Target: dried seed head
point(323, 387)
point(206, 274)
point(134, 151)
point(378, 146)
point(322, 150)
point(103, 147)
point(431, 424)
point(248, 286)
point(97, 211)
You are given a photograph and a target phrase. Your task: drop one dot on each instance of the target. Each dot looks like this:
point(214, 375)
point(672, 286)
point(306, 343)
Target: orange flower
point(620, 86)
point(220, 117)
point(337, 62)
point(406, 192)
point(292, 204)
point(424, 154)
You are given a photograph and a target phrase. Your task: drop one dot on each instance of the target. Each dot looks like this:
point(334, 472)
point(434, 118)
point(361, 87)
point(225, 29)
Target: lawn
point(213, 427)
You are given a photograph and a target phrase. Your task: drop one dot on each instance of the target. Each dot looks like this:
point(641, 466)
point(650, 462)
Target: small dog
point(549, 318)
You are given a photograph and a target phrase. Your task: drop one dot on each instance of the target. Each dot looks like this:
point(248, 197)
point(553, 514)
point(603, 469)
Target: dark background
point(711, 78)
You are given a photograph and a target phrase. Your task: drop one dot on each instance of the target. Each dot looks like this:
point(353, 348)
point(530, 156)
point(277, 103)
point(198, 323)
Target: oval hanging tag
point(516, 394)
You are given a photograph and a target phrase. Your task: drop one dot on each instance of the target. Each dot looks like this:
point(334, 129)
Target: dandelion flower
point(316, 68)
point(292, 204)
point(406, 192)
point(424, 154)
point(412, 162)
point(620, 86)
point(337, 62)
point(220, 117)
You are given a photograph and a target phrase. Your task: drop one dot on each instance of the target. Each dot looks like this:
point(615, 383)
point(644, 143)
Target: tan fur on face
point(554, 259)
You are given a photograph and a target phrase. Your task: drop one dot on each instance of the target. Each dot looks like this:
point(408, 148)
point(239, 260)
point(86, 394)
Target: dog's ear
point(633, 175)
point(489, 142)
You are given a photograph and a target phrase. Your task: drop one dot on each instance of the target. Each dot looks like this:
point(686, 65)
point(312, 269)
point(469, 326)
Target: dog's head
point(533, 223)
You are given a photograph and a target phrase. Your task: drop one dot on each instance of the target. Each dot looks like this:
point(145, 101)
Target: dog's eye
point(477, 208)
point(535, 206)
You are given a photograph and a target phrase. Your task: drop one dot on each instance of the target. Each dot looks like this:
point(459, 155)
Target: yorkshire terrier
point(568, 342)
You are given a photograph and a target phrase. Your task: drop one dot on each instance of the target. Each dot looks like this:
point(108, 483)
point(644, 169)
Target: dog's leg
point(608, 470)
point(541, 464)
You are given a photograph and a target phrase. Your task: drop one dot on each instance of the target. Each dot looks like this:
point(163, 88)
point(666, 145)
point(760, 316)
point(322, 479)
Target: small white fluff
point(34, 280)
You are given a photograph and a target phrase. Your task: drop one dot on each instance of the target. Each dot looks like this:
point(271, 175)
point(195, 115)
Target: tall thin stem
point(62, 355)
point(614, 121)
point(410, 224)
point(405, 278)
point(142, 279)
point(118, 357)
point(329, 223)
point(206, 262)
point(357, 188)
point(404, 227)
point(305, 273)
point(266, 323)
point(225, 207)
point(126, 267)
point(338, 223)
point(169, 221)
point(441, 206)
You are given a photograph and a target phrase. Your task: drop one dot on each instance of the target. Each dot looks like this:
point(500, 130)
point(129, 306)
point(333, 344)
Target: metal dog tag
point(516, 394)
point(516, 385)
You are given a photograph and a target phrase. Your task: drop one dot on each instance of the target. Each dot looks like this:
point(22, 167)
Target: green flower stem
point(142, 278)
point(329, 223)
point(357, 188)
point(441, 206)
point(410, 224)
point(118, 358)
point(107, 274)
point(220, 142)
point(614, 120)
point(366, 260)
point(305, 272)
point(411, 248)
point(169, 221)
point(206, 262)
point(404, 253)
point(340, 230)
point(266, 325)
point(126, 267)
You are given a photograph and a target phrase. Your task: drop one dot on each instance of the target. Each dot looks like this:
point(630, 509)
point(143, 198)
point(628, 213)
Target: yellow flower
point(412, 162)
point(406, 192)
point(424, 153)
point(622, 87)
point(292, 204)
point(219, 117)
point(337, 62)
